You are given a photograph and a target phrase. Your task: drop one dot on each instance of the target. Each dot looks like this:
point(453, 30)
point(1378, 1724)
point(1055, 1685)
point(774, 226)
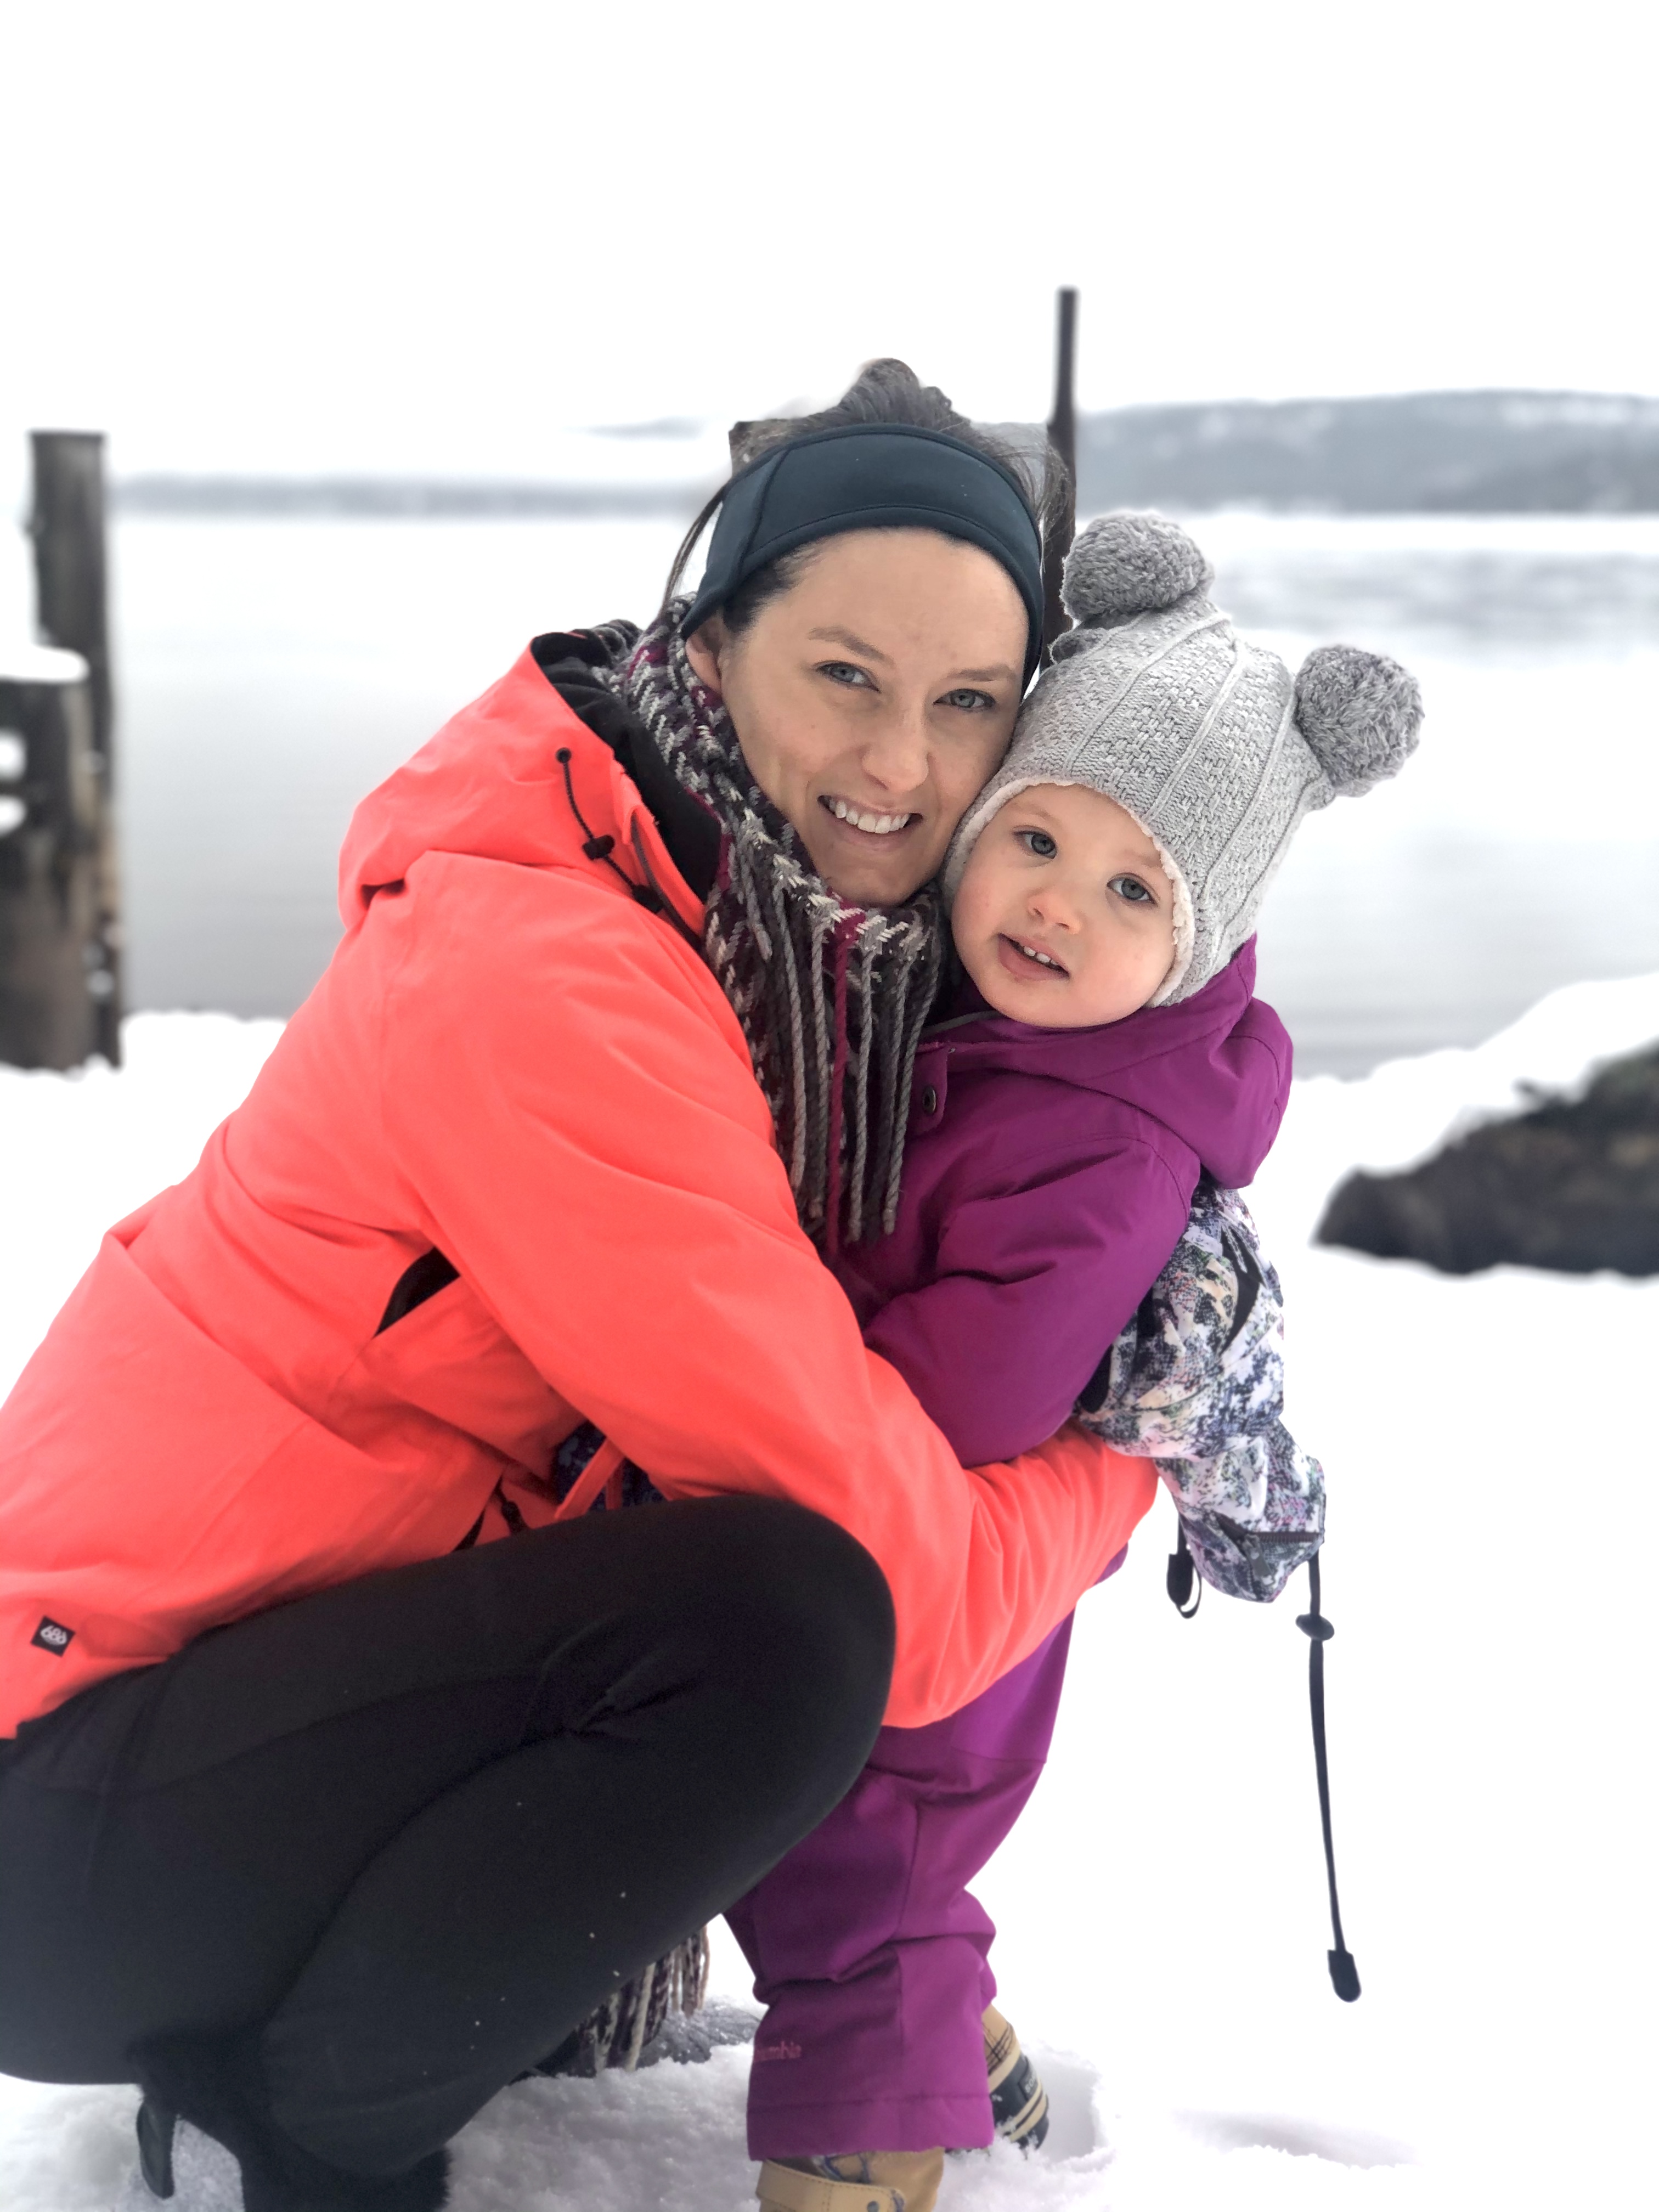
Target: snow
point(81, 1152)
point(1161, 1907)
point(22, 662)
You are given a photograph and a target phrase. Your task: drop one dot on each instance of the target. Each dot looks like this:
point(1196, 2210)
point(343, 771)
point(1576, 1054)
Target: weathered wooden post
point(1062, 434)
point(60, 990)
point(71, 567)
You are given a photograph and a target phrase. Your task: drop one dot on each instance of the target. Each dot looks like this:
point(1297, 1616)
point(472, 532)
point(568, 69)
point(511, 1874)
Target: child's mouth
point(1023, 959)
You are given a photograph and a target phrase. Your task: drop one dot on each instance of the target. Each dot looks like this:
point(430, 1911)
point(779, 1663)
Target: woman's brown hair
point(885, 392)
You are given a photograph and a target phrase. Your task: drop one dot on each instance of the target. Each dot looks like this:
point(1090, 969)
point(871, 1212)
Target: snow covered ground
point(1161, 1913)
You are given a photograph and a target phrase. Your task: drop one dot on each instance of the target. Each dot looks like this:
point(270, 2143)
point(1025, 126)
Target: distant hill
point(416, 498)
point(1467, 452)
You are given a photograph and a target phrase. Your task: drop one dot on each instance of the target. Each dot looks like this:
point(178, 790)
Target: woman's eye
point(970, 702)
point(843, 671)
point(1038, 843)
point(1132, 889)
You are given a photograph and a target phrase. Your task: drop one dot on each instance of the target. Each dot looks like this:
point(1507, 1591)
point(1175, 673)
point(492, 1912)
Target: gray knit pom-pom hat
point(1156, 700)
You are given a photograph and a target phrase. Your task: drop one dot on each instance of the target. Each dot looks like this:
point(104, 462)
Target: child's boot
point(1019, 2103)
point(863, 2181)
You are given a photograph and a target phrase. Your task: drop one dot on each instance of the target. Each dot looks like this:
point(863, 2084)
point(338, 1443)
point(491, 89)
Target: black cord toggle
point(1181, 1581)
point(596, 848)
point(1316, 1625)
point(649, 894)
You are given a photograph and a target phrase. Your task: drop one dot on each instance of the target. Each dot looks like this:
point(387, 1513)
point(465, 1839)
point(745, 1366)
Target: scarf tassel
point(840, 954)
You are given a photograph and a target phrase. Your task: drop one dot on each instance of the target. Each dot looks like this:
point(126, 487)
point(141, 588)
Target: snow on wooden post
point(60, 984)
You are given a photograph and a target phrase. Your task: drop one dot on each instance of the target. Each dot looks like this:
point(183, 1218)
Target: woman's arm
point(571, 1100)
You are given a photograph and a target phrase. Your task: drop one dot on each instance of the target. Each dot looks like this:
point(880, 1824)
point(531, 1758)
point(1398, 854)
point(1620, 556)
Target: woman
point(322, 1814)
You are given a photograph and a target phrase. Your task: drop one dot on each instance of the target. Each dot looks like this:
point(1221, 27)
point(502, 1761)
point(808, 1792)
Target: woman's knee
point(825, 1591)
point(804, 1620)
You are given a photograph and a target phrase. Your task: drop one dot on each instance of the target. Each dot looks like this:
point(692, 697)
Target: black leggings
point(402, 1835)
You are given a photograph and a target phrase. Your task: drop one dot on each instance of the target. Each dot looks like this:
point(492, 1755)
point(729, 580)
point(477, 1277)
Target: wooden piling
point(71, 567)
point(60, 977)
point(1062, 435)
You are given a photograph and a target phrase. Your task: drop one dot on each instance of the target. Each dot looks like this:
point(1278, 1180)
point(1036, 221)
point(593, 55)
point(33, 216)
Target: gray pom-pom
point(1130, 564)
point(1360, 713)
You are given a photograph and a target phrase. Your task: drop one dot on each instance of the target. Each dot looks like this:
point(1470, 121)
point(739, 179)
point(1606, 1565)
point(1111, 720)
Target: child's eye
point(1132, 889)
point(1038, 843)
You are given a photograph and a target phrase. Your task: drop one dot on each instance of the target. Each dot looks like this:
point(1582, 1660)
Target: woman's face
point(873, 698)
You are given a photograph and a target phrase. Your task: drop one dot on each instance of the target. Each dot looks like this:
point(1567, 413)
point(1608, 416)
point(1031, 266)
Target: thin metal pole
point(1062, 435)
point(70, 531)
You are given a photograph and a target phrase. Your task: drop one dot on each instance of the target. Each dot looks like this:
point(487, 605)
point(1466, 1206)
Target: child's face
point(1064, 917)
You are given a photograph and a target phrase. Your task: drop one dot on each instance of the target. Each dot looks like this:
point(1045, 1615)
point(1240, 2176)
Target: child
point(1105, 1053)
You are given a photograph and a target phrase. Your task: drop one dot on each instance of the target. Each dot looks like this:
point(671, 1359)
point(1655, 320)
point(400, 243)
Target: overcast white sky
point(360, 234)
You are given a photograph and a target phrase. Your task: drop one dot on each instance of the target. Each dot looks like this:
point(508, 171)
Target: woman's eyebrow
point(852, 642)
point(832, 634)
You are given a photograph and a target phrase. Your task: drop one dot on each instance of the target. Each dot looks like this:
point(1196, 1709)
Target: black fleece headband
point(877, 475)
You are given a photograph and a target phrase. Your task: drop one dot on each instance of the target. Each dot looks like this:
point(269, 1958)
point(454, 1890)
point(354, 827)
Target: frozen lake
point(272, 672)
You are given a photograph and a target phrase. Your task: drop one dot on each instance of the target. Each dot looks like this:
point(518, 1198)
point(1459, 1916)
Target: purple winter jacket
point(1047, 1177)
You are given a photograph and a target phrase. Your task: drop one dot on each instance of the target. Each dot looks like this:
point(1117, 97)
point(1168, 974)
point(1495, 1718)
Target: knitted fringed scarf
point(617, 2033)
point(832, 999)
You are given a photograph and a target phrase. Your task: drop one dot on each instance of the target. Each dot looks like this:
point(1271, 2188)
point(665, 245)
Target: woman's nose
point(897, 756)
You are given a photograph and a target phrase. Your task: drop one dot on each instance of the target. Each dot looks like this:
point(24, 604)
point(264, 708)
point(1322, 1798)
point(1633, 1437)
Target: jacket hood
point(491, 786)
point(1215, 1068)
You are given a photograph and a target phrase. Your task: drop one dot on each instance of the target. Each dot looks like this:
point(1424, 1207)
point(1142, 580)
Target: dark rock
point(1571, 1185)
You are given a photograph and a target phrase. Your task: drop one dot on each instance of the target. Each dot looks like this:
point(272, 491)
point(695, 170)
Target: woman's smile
point(867, 820)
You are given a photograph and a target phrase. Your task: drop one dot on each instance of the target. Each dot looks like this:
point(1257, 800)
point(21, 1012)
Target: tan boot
point(1019, 2103)
point(864, 2181)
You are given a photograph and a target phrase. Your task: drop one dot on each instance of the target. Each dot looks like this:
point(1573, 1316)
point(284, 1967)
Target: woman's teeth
point(879, 825)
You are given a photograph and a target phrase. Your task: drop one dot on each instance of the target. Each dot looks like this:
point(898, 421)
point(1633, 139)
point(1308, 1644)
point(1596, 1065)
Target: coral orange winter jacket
point(513, 1063)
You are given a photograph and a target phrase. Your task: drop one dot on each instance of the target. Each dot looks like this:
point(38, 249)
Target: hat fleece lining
point(1185, 924)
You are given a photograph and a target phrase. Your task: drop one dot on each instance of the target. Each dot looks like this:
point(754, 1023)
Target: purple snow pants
point(869, 1953)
